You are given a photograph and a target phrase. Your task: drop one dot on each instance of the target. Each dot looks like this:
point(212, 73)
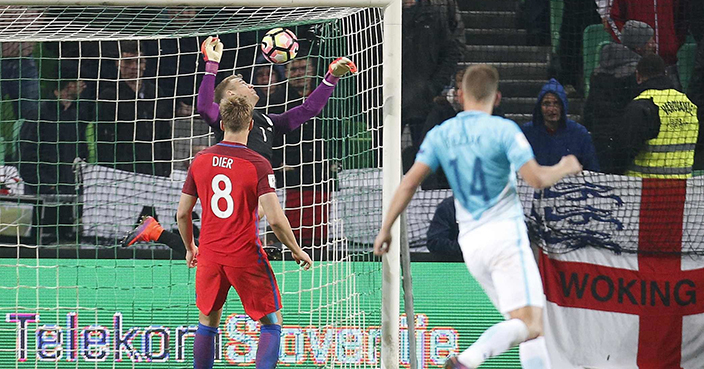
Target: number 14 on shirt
point(478, 185)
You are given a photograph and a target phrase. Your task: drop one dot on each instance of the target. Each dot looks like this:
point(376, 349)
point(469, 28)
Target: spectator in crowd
point(177, 69)
point(301, 73)
point(84, 57)
point(48, 148)
point(444, 108)
point(305, 167)
point(20, 77)
point(134, 130)
point(274, 97)
point(659, 128)
point(667, 17)
point(443, 230)
point(552, 135)
point(433, 44)
point(613, 86)
point(576, 16)
point(178, 61)
point(300, 82)
point(178, 76)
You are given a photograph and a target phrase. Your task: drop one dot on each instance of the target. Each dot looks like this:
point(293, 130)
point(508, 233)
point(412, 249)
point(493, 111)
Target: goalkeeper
point(261, 137)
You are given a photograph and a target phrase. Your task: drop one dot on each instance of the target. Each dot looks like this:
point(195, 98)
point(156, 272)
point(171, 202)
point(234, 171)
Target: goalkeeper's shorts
point(255, 284)
point(499, 257)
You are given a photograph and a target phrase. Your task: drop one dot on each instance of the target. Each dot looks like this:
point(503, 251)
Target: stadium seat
point(92, 144)
point(351, 142)
point(357, 146)
point(595, 37)
point(685, 63)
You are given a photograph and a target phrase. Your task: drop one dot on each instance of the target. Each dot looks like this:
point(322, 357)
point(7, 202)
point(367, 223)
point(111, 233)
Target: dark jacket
point(49, 147)
point(302, 152)
point(613, 86)
point(433, 44)
point(443, 230)
point(570, 137)
point(134, 130)
point(695, 93)
point(641, 122)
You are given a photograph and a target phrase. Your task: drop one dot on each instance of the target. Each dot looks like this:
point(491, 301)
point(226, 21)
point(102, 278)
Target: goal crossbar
point(228, 3)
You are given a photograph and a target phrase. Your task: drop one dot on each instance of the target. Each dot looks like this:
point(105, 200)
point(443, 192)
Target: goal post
point(354, 150)
point(392, 177)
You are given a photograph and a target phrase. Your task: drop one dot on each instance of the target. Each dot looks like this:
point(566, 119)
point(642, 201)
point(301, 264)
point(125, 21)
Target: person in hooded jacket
point(552, 135)
point(613, 86)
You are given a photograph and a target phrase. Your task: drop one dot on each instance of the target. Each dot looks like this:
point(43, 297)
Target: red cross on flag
point(631, 310)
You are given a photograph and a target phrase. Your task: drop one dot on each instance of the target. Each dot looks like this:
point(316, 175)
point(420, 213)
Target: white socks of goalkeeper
point(494, 341)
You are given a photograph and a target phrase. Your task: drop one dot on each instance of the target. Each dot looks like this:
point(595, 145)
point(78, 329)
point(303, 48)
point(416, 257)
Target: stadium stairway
point(494, 37)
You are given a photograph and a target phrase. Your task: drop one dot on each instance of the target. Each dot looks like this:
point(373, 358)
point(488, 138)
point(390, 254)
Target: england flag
point(637, 301)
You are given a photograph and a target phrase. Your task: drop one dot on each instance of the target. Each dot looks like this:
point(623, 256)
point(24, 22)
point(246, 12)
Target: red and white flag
point(628, 310)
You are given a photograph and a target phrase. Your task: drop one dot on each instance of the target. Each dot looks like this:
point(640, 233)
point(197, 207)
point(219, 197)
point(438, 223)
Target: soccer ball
point(279, 45)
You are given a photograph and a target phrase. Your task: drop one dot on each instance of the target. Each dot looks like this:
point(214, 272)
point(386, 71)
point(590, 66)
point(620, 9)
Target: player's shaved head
point(235, 113)
point(480, 82)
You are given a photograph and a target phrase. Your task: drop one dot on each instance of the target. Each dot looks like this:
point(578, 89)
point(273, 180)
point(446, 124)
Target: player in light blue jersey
point(480, 155)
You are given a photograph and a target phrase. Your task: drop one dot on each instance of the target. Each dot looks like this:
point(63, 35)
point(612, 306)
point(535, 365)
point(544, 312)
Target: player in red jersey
point(231, 181)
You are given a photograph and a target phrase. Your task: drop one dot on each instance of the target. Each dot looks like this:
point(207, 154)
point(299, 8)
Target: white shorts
point(499, 257)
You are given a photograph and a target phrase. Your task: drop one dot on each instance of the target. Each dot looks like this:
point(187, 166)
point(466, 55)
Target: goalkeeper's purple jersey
point(261, 137)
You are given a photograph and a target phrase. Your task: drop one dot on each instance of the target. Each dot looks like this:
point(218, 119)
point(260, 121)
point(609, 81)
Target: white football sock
point(494, 341)
point(534, 354)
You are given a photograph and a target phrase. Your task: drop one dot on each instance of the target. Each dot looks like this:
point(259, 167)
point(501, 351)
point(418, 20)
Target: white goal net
point(96, 135)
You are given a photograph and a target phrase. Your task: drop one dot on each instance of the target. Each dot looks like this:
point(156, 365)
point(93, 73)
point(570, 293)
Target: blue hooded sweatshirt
point(570, 137)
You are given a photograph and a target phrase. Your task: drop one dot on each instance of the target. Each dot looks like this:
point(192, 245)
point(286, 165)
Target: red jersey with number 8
point(228, 178)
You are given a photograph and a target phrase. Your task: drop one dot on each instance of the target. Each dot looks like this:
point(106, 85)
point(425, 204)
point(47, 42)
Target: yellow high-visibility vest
point(671, 153)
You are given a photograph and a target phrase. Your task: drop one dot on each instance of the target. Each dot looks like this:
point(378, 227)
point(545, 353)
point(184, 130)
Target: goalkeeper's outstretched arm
point(288, 121)
point(206, 107)
point(315, 102)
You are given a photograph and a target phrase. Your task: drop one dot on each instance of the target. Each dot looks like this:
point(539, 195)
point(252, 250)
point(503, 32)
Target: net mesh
point(65, 207)
point(102, 23)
